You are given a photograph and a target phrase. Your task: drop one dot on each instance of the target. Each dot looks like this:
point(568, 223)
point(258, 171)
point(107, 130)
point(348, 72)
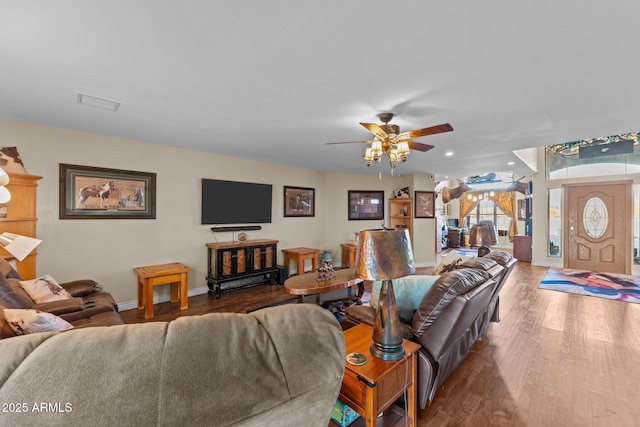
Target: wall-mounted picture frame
point(88, 192)
point(299, 201)
point(425, 204)
point(365, 205)
point(522, 210)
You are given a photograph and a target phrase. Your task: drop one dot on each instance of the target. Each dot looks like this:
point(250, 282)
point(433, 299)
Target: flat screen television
point(232, 202)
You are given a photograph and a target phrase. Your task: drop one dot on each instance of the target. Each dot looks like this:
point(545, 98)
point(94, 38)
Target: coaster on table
point(356, 359)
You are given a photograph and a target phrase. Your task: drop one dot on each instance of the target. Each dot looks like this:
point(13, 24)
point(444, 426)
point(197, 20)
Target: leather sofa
point(276, 366)
point(451, 317)
point(90, 306)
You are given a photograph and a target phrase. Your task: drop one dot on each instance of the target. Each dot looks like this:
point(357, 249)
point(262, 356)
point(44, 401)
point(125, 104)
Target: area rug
point(583, 282)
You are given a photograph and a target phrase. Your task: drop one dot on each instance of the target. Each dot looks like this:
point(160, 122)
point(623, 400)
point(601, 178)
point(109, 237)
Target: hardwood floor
point(555, 359)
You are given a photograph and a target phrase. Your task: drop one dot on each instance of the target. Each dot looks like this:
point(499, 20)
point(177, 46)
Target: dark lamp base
point(387, 352)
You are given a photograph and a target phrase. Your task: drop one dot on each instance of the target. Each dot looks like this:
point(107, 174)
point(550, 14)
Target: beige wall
point(107, 250)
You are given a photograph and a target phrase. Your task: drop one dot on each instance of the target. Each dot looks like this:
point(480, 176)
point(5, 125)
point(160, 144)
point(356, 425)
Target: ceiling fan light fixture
point(376, 148)
point(403, 148)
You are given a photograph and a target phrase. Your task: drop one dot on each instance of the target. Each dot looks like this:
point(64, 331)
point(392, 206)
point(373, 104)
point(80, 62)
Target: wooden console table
point(229, 261)
point(162, 274)
point(373, 387)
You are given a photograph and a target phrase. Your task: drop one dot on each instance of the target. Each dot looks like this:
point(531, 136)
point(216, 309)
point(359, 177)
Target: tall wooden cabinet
point(21, 218)
point(401, 214)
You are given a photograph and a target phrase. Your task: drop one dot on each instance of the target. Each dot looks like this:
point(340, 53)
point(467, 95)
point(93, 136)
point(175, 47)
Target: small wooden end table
point(348, 255)
point(306, 284)
point(373, 387)
point(162, 274)
point(299, 255)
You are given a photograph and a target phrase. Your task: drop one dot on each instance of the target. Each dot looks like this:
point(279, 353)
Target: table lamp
point(18, 246)
point(385, 255)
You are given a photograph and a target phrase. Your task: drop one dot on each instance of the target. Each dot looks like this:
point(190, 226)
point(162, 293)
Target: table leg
point(314, 262)
point(140, 294)
point(287, 263)
point(371, 410)
point(148, 299)
point(175, 289)
point(184, 287)
point(411, 391)
point(299, 265)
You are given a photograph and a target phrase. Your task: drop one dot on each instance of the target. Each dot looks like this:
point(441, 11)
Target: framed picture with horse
point(88, 192)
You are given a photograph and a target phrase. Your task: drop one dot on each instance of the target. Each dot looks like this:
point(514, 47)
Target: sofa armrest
point(60, 307)
point(87, 313)
point(361, 314)
point(80, 288)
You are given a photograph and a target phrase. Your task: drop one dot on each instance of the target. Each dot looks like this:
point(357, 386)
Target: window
point(555, 222)
point(611, 155)
point(487, 210)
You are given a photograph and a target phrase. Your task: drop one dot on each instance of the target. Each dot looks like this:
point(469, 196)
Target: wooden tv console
point(229, 261)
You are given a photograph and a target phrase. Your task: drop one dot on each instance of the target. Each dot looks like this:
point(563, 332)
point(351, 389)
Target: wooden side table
point(348, 255)
point(373, 387)
point(299, 255)
point(162, 274)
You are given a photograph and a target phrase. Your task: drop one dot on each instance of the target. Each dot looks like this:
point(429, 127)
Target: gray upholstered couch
point(450, 315)
point(279, 366)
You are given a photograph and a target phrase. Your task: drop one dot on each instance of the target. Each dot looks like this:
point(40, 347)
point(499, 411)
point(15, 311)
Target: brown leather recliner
point(451, 317)
point(90, 306)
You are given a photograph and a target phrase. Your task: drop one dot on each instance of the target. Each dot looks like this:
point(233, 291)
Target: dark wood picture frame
point(425, 204)
point(88, 192)
point(365, 205)
point(299, 201)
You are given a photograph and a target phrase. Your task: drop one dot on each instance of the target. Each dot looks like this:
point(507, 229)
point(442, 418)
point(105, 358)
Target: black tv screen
point(231, 202)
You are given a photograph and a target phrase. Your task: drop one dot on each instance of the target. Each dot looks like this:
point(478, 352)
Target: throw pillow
point(45, 289)
point(25, 321)
point(409, 292)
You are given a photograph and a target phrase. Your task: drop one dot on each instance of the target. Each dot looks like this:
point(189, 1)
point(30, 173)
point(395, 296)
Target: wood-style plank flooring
point(555, 359)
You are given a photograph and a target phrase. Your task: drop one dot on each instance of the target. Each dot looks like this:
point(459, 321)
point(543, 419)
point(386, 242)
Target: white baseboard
point(130, 305)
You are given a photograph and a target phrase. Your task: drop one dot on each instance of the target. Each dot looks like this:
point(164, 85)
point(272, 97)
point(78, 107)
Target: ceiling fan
point(388, 140)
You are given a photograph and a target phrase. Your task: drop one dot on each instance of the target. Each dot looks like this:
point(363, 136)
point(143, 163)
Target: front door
point(598, 227)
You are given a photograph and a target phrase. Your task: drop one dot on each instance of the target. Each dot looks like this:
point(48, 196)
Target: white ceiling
point(274, 81)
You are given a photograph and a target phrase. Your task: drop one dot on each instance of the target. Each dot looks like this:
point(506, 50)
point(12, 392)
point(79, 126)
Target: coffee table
point(306, 284)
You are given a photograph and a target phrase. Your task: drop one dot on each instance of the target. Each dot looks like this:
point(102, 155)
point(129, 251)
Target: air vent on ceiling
point(95, 101)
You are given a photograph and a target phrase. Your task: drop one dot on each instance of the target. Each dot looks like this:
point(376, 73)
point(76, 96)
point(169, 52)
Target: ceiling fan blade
point(348, 142)
point(418, 146)
point(446, 127)
point(376, 130)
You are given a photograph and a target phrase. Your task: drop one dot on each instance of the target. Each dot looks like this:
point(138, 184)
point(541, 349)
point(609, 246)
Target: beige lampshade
point(4, 178)
point(5, 195)
point(384, 255)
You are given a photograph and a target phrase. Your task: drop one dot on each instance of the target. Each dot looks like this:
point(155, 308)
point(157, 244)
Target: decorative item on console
point(326, 272)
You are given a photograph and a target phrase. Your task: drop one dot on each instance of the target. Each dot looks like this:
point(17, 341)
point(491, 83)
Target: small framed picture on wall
point(425, 204)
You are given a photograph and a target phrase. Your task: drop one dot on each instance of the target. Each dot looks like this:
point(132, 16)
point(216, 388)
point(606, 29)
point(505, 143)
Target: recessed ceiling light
point(449, 153)
point(95, 101)
point(511, 163)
